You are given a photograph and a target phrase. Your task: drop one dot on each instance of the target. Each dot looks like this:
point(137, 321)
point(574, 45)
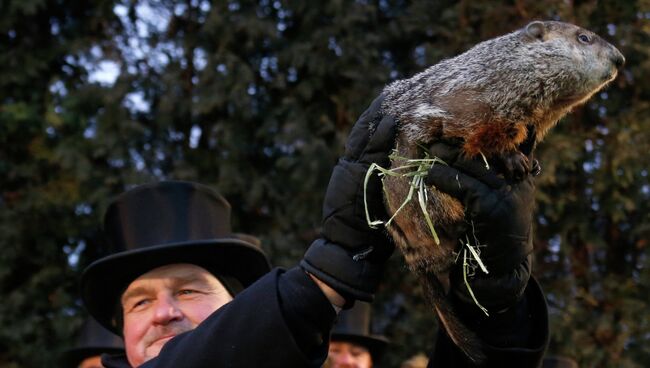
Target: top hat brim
point(375, 344)
point(103, 282)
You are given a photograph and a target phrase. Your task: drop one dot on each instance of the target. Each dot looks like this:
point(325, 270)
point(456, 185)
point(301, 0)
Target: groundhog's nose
point(618, 59)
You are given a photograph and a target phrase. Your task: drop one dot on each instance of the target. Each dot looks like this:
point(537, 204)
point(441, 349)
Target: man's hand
point(350, 255)
point(498, 218)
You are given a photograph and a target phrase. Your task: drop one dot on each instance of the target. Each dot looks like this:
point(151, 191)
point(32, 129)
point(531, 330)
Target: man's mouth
point(163, 339)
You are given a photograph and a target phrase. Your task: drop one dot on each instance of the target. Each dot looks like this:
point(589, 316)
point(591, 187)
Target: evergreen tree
point(256, 98)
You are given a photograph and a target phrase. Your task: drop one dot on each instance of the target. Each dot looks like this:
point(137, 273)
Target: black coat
point(283, 320)
point(525, 331)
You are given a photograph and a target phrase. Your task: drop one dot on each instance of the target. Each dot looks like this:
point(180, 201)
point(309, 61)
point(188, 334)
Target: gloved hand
point(498, 215)
point(350, 255)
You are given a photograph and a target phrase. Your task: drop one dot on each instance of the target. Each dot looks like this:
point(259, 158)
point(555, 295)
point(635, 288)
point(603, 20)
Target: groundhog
point(493, 98)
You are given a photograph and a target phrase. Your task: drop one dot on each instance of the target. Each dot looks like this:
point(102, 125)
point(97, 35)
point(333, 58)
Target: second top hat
point(353, 326)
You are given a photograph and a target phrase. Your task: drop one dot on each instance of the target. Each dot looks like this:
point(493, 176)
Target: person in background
point(93, 340)
point(352, 345)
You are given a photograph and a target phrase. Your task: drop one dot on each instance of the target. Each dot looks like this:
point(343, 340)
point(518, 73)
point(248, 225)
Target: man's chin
point(154, 349)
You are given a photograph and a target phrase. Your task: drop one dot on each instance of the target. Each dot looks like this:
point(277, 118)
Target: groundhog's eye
point(584, 38)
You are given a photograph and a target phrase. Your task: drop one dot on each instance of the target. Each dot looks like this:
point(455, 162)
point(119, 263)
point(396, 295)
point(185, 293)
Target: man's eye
point(139, 303)
point(187, 292)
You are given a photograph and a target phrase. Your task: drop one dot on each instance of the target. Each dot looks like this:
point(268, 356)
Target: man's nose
point(166, 310)
point(344, 360)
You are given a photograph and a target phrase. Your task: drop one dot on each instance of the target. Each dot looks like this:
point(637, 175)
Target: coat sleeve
point(518, 341)
point(282, 320)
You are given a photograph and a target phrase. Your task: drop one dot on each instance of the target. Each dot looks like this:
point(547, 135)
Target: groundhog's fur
point(487, 98)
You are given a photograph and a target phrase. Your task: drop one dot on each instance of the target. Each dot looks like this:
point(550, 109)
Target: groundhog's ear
point(536, 30)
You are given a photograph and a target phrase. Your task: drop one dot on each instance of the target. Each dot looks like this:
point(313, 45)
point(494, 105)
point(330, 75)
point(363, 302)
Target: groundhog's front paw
point(516, 166)
point(536, 168)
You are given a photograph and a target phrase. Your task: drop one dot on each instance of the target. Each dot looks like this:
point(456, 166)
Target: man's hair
point(118, 315)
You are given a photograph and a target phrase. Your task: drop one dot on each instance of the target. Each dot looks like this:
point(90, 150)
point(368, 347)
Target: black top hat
point(92, 340)
point(353, 326)
point(163, 223)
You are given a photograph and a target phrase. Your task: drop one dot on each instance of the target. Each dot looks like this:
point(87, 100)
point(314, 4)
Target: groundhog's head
point(531, 77)
point(592, 61)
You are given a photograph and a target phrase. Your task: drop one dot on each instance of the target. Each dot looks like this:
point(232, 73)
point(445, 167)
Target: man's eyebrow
point(176, 281)
point(131, 293)
point(189, 279)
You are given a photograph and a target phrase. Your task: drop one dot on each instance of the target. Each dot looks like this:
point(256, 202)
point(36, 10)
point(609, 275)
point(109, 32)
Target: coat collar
point(115, 361)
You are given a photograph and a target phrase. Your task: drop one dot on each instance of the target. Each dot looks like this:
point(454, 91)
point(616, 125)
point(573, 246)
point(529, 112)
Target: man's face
point(348, 355)
point(165, 302)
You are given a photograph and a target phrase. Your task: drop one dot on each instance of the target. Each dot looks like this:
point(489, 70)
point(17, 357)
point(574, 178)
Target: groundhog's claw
point(516, 166)
point(537, 168)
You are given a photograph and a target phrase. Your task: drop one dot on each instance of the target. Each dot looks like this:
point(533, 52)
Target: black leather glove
point(350, 255)
point(498, 216)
